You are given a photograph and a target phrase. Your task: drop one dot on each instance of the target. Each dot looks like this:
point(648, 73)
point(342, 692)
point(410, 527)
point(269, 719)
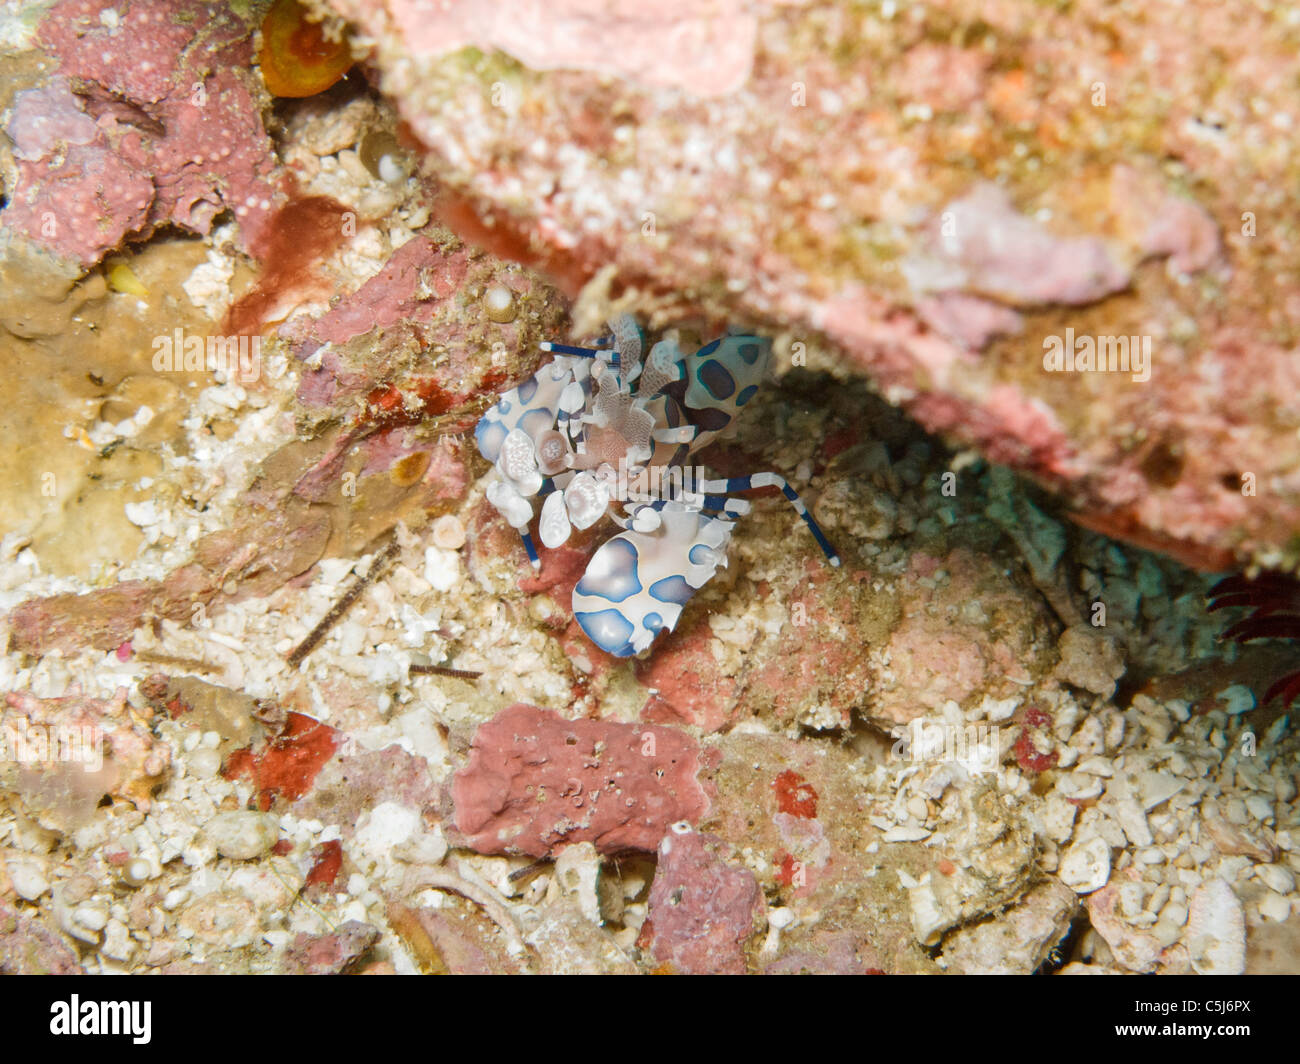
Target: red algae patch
point(300, 234)
point(289, 763)
point(1034, 736)
point(795, 795)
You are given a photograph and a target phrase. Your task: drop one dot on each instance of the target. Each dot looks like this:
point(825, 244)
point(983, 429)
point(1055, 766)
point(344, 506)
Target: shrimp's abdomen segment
point(637, 583)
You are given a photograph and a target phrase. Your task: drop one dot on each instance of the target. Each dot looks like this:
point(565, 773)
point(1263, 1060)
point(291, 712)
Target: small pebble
point(1085, 866)
point(1174, 913)
point(1274, 907)
point(175, 898)
point(542, 608)
point(91, 917)
point(242, 835)
point(28, 879)
point(117, 944)
point(1276, 877)
point(204, 763)
point(449, 532)
point(1236, 699)
point(1259, 807)
point(1216, 930)
point(1166, 934)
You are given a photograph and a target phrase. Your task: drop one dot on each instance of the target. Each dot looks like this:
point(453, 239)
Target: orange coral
point(297, 59)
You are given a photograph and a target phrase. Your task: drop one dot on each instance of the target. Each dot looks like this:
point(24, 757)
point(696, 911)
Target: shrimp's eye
point(552, 453)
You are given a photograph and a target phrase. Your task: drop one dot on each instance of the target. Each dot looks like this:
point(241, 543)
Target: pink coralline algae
point(686, 683)
point(350, 784)
point(672, 43)
point(332, 953)
point(703, 909)
point(165, 130)
point(411, 287)
point(28, 947)
point(940, 651)
point(814, 660)
point(270, 547)
point(535, 781)
point(44, 118)
point(134, 762)
point(968, 320)
point(982, 244)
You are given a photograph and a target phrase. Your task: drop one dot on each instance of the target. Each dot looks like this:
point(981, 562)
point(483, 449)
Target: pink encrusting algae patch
point(535, 781)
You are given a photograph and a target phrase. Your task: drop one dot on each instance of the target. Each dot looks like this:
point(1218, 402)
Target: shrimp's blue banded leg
point(774, 480)
point(583, 352)
point(548, 488)
point(531, 548)
point(723, 504)
point(709, 504)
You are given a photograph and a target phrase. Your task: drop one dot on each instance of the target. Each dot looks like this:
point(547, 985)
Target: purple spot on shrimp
point(611, 573)
point(672, 589)
point(535, 422)
point(609, 630)
point(716, 380)
point(490, 435)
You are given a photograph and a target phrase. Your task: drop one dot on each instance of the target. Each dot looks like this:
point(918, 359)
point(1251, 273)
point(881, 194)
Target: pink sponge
point(535, 781)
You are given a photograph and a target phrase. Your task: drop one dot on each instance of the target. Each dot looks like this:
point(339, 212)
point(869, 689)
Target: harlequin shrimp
point(597, 427)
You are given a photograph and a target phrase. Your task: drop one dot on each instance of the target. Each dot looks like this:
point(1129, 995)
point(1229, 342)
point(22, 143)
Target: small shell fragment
point(382, 155)
point(121, 278)
point(499, 303)
point(137, 872)
point(449, 532)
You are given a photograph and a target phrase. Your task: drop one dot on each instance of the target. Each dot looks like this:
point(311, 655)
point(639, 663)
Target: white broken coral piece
point(1085, 866)
point(1216, 930)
